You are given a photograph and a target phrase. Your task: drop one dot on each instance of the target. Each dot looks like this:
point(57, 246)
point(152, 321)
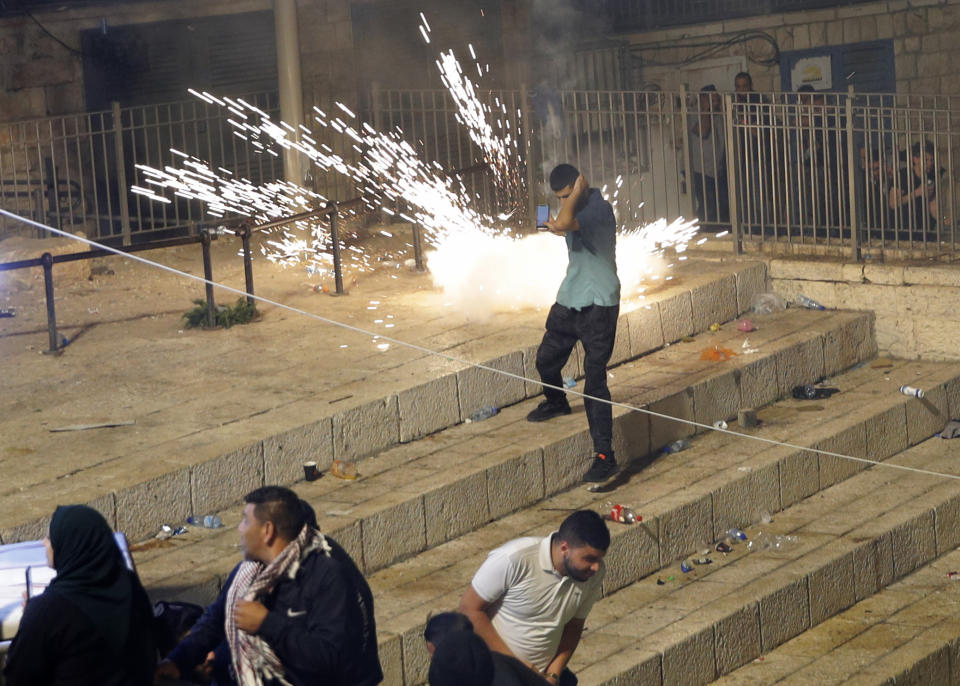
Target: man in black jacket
point(296, 609)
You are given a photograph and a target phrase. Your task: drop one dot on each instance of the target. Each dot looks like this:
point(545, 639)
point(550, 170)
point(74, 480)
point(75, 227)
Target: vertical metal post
point(208, 275)
point(121, 171)
point(732, 179)
point(247, 262)
point(46, 261)
point(852, 173)
point(418, 247)
point(688, 172)
point(335, 241)
point(527, 129)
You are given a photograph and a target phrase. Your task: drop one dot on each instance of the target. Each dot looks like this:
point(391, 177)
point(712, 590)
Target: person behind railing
point(751, 131)
point(914, 198)
point(819, 164)
point(93, 625)
point(708, 158)
point(877, 173)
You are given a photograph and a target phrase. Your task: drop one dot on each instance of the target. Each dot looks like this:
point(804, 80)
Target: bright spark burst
point(477, 261)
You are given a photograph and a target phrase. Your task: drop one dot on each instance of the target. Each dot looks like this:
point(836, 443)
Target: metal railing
point(855, 171)
point(75, 172)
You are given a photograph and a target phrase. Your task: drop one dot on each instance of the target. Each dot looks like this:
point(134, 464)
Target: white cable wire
point(452, 358)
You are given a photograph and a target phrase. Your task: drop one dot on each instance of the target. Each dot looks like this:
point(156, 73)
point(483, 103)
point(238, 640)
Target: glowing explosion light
point(481, 268)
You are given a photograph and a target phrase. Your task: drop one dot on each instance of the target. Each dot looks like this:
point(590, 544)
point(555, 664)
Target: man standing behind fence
point(587, 307)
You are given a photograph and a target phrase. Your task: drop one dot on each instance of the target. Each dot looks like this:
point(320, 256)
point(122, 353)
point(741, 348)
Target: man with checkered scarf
point(296, 611)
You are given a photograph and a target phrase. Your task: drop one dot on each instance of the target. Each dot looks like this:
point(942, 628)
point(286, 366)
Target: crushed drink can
point(912, 391)
point(624, 515)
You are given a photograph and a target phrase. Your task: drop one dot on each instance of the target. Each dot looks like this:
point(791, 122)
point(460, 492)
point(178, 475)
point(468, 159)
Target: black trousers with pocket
point(596, 328)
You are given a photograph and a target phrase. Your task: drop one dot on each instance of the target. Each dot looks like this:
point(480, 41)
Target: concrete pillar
point(288, 78)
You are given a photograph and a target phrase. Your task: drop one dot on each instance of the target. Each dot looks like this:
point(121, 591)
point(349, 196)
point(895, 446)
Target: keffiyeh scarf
point(254, 661)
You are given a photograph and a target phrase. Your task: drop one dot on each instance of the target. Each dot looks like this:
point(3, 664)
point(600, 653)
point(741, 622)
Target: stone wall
point(41, 77)
point(923, 32)
point(915, 303)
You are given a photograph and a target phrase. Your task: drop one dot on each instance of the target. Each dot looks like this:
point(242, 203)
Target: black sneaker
point(603, 467)
point(548, 409)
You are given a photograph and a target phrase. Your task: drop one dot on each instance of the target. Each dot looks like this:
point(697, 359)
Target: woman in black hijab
point(93, 625)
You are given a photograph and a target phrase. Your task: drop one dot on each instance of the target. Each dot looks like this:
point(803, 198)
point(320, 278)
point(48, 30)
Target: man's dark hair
point(278, 505)
point(461, 659)
point(709, 88)
point(744, 75)
point(441, 624)
point(563, 175)
point(925, 146)
point(585, 527)
point(805, 88)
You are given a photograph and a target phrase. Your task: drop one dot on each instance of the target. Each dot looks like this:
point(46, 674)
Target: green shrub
point(242, 312)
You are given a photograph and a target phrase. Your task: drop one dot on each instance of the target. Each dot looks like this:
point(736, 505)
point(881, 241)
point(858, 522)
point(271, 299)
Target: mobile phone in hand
point(543, 216)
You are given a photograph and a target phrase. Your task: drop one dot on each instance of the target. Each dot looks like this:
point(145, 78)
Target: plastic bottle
point(809, 303)
point(569, 381)
point(344, 470)
point(912, 391)
point(484, 413)
point(677, 446)
point(737, 534)
point(624, 515)
point(207, 521)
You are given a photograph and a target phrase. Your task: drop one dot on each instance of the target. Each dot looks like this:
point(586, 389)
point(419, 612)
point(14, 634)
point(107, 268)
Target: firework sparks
point(473, 253)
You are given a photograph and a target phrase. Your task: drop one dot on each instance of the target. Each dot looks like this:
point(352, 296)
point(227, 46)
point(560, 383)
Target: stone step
point(416, 496)
point(171, 465)
point(908, 634)
point(852, 540)
point(686, 499)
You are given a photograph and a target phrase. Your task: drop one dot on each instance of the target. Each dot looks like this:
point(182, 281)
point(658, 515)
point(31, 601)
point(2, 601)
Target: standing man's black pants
point(596, 328)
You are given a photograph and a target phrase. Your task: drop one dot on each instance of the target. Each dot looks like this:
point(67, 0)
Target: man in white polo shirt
point(530, 597)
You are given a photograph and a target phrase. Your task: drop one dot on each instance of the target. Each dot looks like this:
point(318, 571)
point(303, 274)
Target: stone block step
point(176, 462)
point(686, 499)
point(416, 496)
point(908, 634)
point(851, 540)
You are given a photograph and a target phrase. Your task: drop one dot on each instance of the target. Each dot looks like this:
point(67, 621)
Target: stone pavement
point(220, 412)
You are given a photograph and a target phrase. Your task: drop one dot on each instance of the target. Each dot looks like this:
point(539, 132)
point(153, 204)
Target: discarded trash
point(483, 413)
point(84, 427)
point(660, 582)
point(569, 382)
point(912, 391)
point(804, 392)
point(767, 303)
point(624, 515)
point(344, 470)
point(766, 517)
point(744, 469)
point(207, 522)
point(953, 576)
point(951, 430)
point(686, 567)
point(167, 531)
point(310, 471)
point(719, 424)
point(702, 561)
point(715, 326)
point(747, 417)
point(737, 534)
point(746, 326)
point(747, 350)
point(716, 354)
point(676, 446)
point(7, 313)
point(723, 547)
point(809, 303)
point(776, 543)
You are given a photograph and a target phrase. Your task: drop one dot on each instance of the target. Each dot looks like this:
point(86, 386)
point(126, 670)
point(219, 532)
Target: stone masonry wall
point(39, 77)
point(915, 305)
point(923, 31)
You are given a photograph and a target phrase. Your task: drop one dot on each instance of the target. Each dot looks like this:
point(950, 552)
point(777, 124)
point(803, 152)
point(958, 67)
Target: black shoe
point(603, 467)
point(548, 409)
